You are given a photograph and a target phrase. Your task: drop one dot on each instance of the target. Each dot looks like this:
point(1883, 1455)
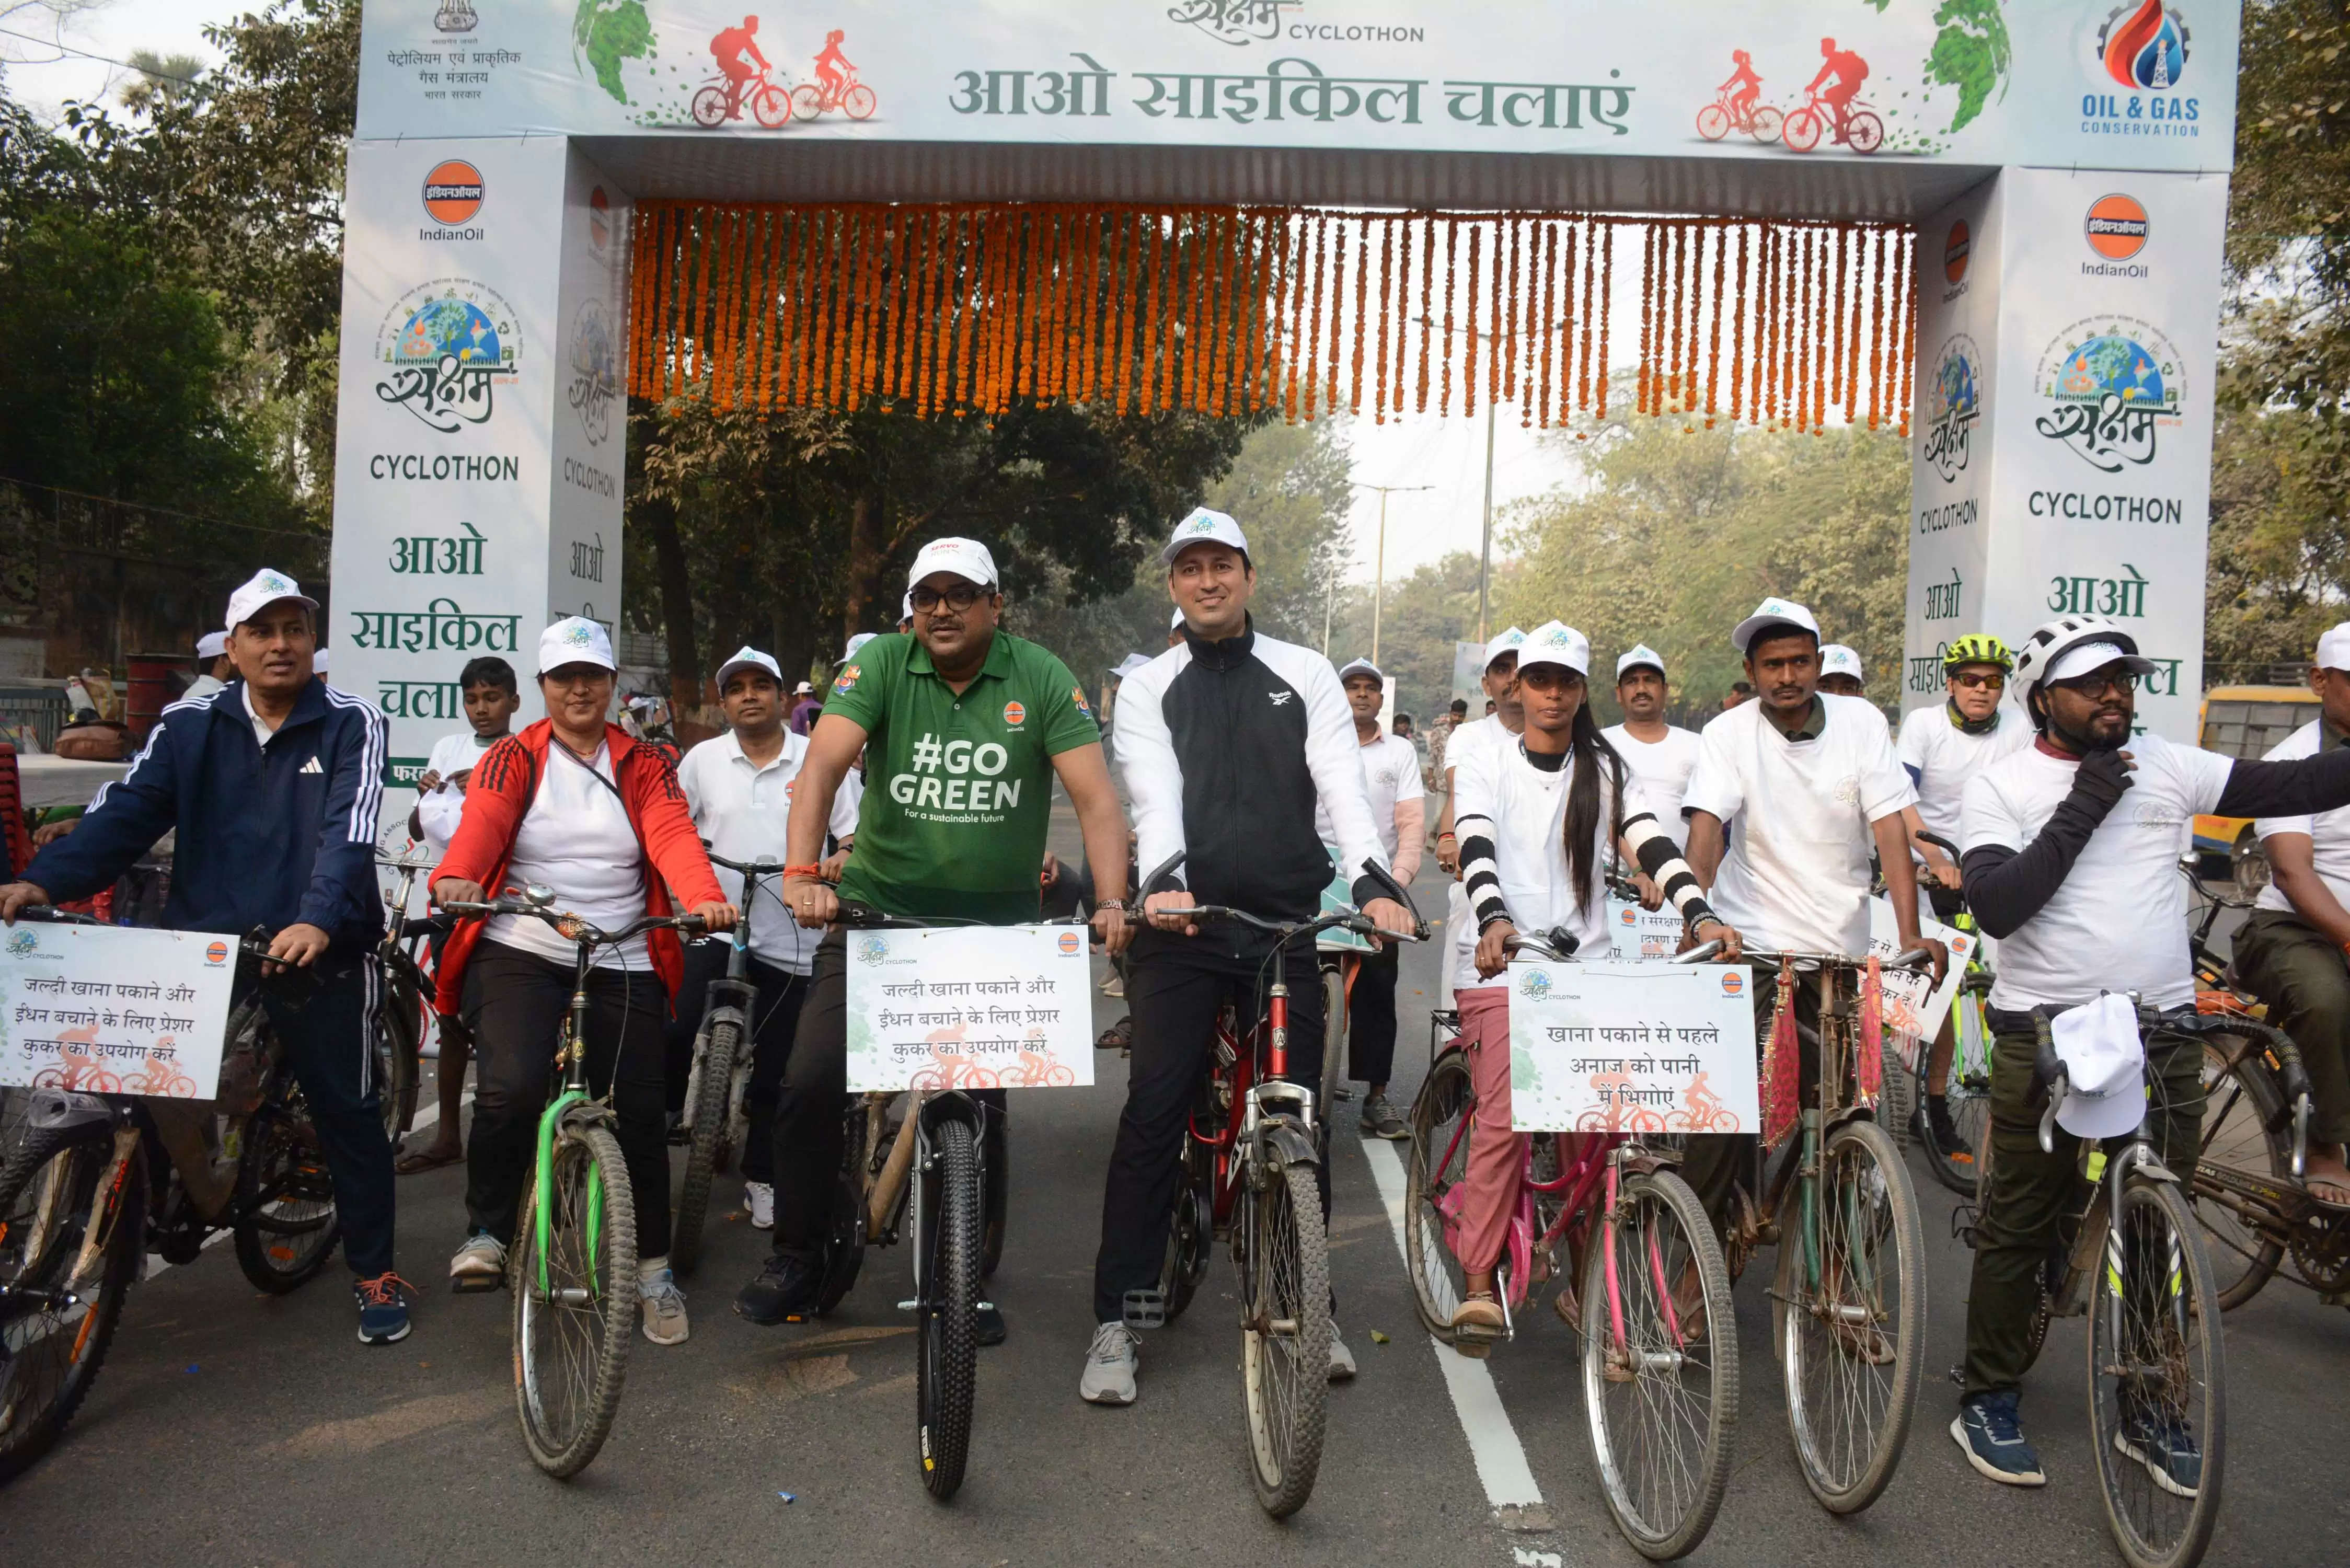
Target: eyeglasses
point(2097, 683)
point(1975, 678)
point(960, 598)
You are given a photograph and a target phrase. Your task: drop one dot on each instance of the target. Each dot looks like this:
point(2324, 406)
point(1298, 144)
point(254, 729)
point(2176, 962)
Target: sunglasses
point(2097, 683)
point(1972, 678)
point(961, 597)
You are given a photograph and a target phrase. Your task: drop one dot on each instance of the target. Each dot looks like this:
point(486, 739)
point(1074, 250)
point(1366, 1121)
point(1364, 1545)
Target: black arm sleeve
point(2005, 887)
point(2303, 787)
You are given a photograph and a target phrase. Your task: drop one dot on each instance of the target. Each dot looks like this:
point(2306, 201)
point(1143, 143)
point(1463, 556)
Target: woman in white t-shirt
point(1537, 818)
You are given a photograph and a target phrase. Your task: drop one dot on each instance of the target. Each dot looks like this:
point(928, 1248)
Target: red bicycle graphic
point(851, 98)
point(723, 98)
point(1725, 114)
point(1864, 133)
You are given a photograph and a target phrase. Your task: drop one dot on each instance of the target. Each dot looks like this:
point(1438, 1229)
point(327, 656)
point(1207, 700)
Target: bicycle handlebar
point(572, 927)
point(1915, 958)
point(1157, 882)
point(767, 865)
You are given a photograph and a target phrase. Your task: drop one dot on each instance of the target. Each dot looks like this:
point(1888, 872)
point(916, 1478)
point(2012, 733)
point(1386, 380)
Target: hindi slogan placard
point(110, 1010)
point(1914, 1006)
point(1632, 1047)
point(970, 1007)
point(1639, 933)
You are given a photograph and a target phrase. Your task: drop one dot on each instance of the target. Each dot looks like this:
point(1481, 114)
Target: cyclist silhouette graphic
point(739, 60)
point(832, 68)
point(1849, 71)
point(1744, 87)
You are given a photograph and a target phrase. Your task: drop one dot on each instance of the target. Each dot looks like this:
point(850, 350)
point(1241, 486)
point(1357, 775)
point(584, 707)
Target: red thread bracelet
point(804, 871)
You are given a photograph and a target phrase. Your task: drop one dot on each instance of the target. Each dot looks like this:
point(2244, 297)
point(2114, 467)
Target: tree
point(1420, 617)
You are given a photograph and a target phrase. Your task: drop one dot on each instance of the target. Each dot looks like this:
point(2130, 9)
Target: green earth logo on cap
point(578, 637)
point(275, 584)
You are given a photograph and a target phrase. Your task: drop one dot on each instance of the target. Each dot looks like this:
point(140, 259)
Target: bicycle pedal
point(1144, 1309)
point(476, 1284)
point(1959, 1376)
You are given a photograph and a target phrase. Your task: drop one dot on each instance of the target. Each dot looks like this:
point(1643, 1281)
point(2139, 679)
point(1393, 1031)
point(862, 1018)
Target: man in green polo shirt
point(963, 727)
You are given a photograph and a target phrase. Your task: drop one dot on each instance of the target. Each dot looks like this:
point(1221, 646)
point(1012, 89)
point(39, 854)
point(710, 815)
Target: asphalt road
point(234, 1428)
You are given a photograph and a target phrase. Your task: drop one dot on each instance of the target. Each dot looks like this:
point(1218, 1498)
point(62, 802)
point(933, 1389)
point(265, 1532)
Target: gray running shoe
point(483, 1257)
point(662, 1307)
point(1379, 1120)
point(1110, 1361)
point(1342, 1360)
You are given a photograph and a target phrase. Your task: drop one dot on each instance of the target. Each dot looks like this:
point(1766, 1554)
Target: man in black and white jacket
point(1226, 741)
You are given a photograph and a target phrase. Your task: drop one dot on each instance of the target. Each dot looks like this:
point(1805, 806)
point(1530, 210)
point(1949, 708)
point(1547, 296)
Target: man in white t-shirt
point(2290, 952)
point(2070, 848)
point(1660, 755)
point(1506, 719)
point(1399, 809)
point(738, 788)
point(1813, 783)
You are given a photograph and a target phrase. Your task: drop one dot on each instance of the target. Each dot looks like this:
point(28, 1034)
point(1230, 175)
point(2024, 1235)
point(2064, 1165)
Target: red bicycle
point(722, 99)
point(1864, 133)
point(852, 98)
point(1726, 114)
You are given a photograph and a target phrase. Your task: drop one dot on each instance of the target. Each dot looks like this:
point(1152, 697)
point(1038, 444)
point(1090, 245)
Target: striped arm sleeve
point(1481, 878)
point(1663, 863)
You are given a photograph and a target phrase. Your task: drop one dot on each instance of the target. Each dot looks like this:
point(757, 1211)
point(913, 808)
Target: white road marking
point(1500, 1457)
point(1527, 1557)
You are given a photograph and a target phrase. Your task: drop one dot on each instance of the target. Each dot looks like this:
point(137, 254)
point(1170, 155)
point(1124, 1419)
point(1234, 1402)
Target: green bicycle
point(574, 1265)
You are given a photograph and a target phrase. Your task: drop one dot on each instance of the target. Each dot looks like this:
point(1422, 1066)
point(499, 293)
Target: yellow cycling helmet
point(1978, 648)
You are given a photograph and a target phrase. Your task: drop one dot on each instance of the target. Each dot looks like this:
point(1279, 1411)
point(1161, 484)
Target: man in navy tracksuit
point(273, 786)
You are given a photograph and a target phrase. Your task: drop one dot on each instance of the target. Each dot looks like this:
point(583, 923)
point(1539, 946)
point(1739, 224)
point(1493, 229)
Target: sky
point(43, 77)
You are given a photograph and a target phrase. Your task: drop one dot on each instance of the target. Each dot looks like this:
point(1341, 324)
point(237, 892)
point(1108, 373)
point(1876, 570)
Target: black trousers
point(328, 1036)
point(1174, 986)
point(1371, 1016)
point(515, 1005)
point(774, 1021)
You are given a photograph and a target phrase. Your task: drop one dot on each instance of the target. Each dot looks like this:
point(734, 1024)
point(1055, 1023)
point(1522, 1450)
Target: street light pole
point(1485, 551)
point(1380, 570)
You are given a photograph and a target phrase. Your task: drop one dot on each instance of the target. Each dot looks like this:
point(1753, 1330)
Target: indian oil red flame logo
point(1013, 713)
point(1954, 252)
point(217, 952)
point(1734, 983)
point(452, 193)
point(2116, 227)
point(1068, 941)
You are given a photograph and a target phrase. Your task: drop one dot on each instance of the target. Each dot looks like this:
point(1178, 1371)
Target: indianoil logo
point(1068, 941)
point(452, 193)
point(2116, 227)
point(1956, 248)
point(1734, 983)
point(1014, 714)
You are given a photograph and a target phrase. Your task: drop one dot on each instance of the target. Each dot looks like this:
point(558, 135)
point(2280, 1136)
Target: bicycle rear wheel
point(57, 1316)
point(1190, 1230)
point(399, 1025)
point(1285, 1338)
point(807, 101)
point(1663, 1397)
point(714, 1078)
point(2157, 1381)
point(1851, 1317)
point(1333, 1051)
point(1965, 1093)
point(1765, 123)
point(286, 1224)
point(1441, 1115)
point(2243, 1140)
point(571, 1334)
point(948, 1361)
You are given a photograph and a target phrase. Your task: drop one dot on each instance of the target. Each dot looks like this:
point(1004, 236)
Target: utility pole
point(1485, 551)
point(1379, 571)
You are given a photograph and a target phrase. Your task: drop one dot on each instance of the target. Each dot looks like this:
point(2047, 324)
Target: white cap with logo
point(859, 640)
point(748, 658)
point(212, 645)
point(1774, 612)
point(1360, 667)
point(1556, 643)
point(575, 639)
point(317, 661)
point(966, 559)
point(1835, 659)
point(1508, 641)
point(1130, 663)
point(906, 607)
point(263, 589)
point(2334, 649)
point(1203, 527)
point(2105, 1071)
point(2082, 657)
point(1641, 655)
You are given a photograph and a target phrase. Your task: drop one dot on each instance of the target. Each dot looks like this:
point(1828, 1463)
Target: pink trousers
point(1497, 1157)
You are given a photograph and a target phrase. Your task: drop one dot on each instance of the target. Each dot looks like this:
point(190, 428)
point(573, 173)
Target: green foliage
point(1972, 53)
point(611, 34)
point(1420, 617)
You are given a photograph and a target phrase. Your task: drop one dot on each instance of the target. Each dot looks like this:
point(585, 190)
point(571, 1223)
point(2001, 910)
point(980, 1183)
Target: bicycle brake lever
point(2056, 1088)
point(2301, 1107)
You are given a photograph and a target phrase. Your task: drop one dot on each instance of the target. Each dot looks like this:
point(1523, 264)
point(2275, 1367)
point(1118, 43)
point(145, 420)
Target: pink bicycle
point(1660, 1341)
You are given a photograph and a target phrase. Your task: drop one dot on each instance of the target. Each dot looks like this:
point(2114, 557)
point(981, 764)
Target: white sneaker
point(759, 1198)
point(481, 1258)
point(661, 1306)
point(1342, 1360)
point(1110, 1361)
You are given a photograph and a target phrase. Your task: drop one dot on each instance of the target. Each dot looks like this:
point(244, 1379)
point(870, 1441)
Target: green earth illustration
point(608, 34)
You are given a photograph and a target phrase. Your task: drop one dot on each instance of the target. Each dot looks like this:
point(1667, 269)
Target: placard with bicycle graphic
point(110, 1010)
point(1914, 1010)
point(970, 1007)
point(1633, 1048)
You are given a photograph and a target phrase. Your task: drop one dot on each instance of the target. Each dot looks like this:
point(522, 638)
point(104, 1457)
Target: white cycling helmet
point(2037, 655)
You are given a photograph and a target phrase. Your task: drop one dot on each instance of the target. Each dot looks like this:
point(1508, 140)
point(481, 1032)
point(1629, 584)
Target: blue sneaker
point(384, 1308)
point(1986, 1430)
point(2167, 1450)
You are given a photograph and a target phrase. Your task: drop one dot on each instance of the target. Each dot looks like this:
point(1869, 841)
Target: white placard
point(1632, 1047)
point(1910, 1009)
point(1637, 933)
point(113, 1010)
point(970, 1007)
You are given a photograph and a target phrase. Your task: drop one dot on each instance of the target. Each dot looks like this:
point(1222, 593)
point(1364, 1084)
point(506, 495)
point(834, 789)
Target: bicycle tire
point(858, 101)
point(1848, 1470)
point(807, 101)
point(710, 108)
point(1765, 123)
point(844, 1249)
point(1446, 1098)
point(713, 1077)
point(947, 1362)
point(771, 105)
point(1690, 1514)
point(567, 1415)
point(734, 1131)
point(996, 1211)
point(1966, 1096)
point(2154, 1528)
point(2243, 1129)
point(1864, 133)
point(1333, 1053)
point(1713, 122)
point(1191, 1230)
point(1899, 1115)
point(33, 1417)
point(1285, 1378)
point(1803, 129)
point(399, 1046)
point(287, 1223)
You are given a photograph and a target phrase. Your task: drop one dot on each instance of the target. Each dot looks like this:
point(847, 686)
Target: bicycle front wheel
point(858, 102)
point(2157, 1381)
point(1334, 1051)
point(70, 1244)
point(771, 105)
point(1966, 1094)
point(1660, 1365)
point(1802, 131)
point(1851, 1316)
point(1285, 1338)
point(948, 1361)
point(714, 1078)
point(575, 1301)
point(1440, 1117)
point(1713, 122)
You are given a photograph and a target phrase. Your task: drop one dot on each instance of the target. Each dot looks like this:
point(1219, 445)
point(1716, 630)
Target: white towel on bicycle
point(2105, 1067)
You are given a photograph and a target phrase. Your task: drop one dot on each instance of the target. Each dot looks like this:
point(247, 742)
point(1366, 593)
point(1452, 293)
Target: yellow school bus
point(2245, 721)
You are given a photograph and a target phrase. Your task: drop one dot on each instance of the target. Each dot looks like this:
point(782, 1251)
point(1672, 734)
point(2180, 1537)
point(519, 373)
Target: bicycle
point(1864, 133)
point(408, 992)
point(1725, 114)
point(1254, 1132)
point(1658, 1378)
point(851, 98)
point(1967, 1090)
point(1849, 1320)
point(722, 99)
point(95, 1180)
point(573, 1269)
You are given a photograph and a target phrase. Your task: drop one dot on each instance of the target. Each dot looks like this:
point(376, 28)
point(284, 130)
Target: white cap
point(1835, 659)
point(2334, 649)
point(213, 644)
point(1176, 624)
point(2091, 656)
point(575, 639)
point(1774, 612)
point(2105, 1067)
point(264, 587)
point(859, 640)
point(906, 607)
point(1360, 667)
point(747, 658)
point(1556, 643)
point(1641, 654)
point(1130, 663)
point(966, 559)
point(317, 661)
point(805, 688)
point(1202, 527)
point(1508, 641)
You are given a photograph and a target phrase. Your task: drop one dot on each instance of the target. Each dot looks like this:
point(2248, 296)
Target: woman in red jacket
point(572, 803)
